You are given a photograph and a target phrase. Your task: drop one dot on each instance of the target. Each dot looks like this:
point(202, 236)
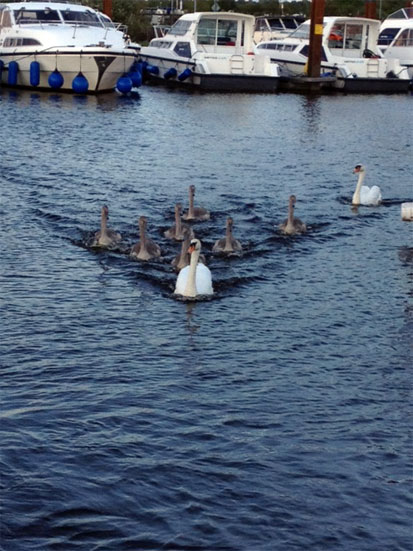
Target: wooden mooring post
point(107, 8)
point(316, 36)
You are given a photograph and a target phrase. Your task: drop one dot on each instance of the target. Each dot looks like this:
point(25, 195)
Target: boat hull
point(214, 82)
point(293, 76)
point(100, 66)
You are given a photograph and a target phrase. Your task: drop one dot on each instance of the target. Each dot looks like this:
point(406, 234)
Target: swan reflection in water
point(191, 325)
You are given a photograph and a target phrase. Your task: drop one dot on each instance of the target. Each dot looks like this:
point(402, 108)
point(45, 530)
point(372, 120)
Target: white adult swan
point(182, 259)
point(179, 230)
point(227, 244)
point(105, 237)
point(145, 249)
point(365, 195)
point(292, 225)
point(195, 279)
point(195, 214)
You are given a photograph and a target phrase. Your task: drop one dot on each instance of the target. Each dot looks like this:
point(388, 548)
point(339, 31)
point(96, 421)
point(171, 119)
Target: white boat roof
point(53, 5)
point(333, 19)
point(196, 16)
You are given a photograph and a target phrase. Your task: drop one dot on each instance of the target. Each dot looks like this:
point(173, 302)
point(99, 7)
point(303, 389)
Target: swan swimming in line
point(364, 195)
point(179, 230)
point(195, 214)
point(105, 237)
point(292, 225)
point(227, 244)
point(145, 249)
point(195, 279)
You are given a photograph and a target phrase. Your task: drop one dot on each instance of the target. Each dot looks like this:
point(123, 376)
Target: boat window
point(405, 39)
point(348, 36)
point(276, 24)
point(354, 35)
point(12, 42)
point(221, 32)
point(160, 44)
point(183, 49)
point(387, 35)
point(261, 24)
point(87, 18)
point(6, 19)
point(27, 16)
point(180, 27)
point(305, 51)
point(290, 23)
point(303, 31)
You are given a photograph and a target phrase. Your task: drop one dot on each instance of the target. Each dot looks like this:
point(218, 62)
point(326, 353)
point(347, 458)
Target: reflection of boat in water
point(211, 51)
point(65, 101)
point(396, 38)
point(61, 46)
point(349, 54)
point(270, 27)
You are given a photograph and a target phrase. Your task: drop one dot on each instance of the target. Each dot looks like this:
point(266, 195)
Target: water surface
point(273, 417)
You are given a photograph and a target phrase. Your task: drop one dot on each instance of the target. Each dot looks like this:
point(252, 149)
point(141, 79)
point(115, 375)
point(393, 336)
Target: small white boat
point(269, 27)
point(62, 46)
point(349, 56)
point(396, 38)
point(211, 51)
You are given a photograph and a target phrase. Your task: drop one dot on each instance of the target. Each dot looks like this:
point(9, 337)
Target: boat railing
point(41, 22)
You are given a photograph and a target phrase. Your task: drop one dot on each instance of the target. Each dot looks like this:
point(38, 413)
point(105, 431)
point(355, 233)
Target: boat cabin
point(342, 37)
point(208, 32)
point(397, 30)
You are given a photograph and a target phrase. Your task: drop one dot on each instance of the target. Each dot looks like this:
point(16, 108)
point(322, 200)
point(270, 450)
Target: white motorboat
point(349, 56)
point(270, 27)
point(63, 46)
point(211, 51)
point(396, 38)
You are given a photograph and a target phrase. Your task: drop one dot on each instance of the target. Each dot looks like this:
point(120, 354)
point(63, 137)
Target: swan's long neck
point(356, 195)
point(191, 202)
point(190, 288)
point(290, 214)
point(143, 237)
point(228, 238)
point(183, 255)
point(103, 225)
point(178, 226)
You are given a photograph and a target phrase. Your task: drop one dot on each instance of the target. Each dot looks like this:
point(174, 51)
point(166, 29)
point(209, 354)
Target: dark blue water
point(276, 416)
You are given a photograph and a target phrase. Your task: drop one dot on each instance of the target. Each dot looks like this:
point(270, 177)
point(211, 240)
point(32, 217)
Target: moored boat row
point(69, 47)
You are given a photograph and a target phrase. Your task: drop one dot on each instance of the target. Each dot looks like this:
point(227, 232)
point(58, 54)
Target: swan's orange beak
point(357, 169)
point(191, 249)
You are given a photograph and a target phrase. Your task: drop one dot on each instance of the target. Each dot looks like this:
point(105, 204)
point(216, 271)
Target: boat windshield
point(303, 31)
point(404, 13)
point(180, 27)
point(87, 18)
point(47, 15)
point(27, 16)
